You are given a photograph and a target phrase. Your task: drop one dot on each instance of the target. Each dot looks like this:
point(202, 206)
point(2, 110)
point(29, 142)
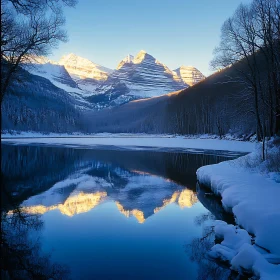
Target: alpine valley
point(96, 87)
point(76, 85)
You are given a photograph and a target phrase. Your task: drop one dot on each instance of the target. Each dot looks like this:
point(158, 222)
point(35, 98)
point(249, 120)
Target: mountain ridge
point(142, 76)
point(97, 87)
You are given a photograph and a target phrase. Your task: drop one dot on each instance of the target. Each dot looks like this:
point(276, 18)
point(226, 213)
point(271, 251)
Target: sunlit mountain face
point(189, 74)
point(97, 87)
point(82, 68)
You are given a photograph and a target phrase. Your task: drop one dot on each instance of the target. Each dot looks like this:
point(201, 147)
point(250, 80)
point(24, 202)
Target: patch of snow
point(130, 141)
point(84, 68)
point(189, 74)
point(53, 73)
point(248, 190)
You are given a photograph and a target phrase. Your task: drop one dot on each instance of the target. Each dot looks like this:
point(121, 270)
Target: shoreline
point(137, 142)
point(251, 195)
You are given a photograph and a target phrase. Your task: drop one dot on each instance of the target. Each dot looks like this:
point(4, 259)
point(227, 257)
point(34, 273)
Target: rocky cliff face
point(190, 75)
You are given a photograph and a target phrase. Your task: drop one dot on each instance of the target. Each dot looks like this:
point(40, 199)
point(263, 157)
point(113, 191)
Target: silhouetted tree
point(29, 28)
point(253, 32)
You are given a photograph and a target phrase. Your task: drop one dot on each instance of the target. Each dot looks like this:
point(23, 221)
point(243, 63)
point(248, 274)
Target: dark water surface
point(115, 214)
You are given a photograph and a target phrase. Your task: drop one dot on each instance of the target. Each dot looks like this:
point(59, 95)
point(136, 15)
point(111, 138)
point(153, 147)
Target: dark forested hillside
point(37, 105)
point(136, 116)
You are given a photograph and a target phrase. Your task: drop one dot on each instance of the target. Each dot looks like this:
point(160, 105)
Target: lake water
point(116, 214)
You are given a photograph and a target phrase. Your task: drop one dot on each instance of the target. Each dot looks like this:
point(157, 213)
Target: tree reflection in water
point(21, 256)
point(209, 269)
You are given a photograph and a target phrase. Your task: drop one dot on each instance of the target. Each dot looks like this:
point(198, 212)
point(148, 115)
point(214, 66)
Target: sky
point(176, 32)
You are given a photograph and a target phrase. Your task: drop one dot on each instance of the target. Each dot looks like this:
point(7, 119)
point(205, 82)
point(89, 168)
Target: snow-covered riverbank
point(250, 188)
point(131, 141)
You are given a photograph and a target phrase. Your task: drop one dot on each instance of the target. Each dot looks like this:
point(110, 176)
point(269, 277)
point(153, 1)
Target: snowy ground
point(250, 188)
point(131, 141)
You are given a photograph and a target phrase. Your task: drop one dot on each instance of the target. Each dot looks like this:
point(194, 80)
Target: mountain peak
point(189, 74)
point(143, 52)
point(71, 55)
point(83, 67)
point(187, 67)
point(73, 58)
point(141, 56)
point(128, 59)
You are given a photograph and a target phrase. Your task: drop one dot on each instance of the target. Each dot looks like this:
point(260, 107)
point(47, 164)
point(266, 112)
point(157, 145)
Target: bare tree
point(28, 28)
point(249, 38)
point(267, 22)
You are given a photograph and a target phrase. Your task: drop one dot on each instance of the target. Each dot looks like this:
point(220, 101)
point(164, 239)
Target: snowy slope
point(128, 59)
point(82, 68)
point(189, 74)
point(98, 87)
point(59, 77)
point(135, 141)
point(87, 74)
point(144, 76)
point(37, 104)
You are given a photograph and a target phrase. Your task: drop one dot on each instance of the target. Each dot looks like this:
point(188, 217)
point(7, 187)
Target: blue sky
point(182, 32)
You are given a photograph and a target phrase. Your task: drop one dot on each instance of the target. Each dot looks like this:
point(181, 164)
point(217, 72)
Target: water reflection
point(127, 209)
point(75, 204)
point(142, 197)
point(198, 248)
point(21, 254)
point(213, 204)
point(29, 170)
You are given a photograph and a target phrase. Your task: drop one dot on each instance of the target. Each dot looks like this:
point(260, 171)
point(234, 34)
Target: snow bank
point(130, 141)
point(248, 190)
point(237, 248)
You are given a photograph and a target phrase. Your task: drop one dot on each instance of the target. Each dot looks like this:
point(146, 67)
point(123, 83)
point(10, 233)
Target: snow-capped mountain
point(87, 74)
point(96, 87)
point(59, 77)
point(142, 76)
point(40, 103)
point(128, 59)
point(145, 76)
point(189, 74)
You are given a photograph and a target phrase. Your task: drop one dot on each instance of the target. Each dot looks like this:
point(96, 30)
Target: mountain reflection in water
point(126, 208)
